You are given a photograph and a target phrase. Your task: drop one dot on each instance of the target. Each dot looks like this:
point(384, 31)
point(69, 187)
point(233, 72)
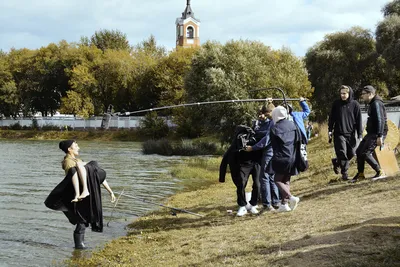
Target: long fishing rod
point(162, 205)
point(207, 103)
point(115, 205)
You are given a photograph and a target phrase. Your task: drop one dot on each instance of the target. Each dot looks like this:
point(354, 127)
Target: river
point(33, 235)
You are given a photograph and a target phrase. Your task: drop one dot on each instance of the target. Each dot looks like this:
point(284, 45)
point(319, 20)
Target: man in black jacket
point(346, 124)
point(376, 131)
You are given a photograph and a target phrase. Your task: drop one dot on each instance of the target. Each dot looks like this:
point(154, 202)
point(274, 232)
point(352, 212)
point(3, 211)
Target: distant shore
point(100, 135)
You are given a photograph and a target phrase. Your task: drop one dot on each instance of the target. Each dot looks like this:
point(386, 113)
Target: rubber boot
point(78, 239)
point(79, 236)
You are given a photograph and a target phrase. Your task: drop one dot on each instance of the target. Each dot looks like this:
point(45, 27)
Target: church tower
point(187, 29)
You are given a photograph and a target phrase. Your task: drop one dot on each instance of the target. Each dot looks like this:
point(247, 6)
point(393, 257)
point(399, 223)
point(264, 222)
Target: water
point(33, 235)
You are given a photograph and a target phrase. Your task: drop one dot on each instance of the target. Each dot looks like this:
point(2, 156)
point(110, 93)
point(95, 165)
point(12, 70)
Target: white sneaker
point(283, 208)
point(253, 210)
point(241, 211)
point(293, 201)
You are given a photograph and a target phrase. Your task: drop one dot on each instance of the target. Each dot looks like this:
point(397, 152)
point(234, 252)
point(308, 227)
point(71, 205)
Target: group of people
point(345, 128)
point(273, 159)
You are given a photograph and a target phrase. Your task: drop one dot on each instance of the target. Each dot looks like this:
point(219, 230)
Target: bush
point(35, 124)
point(161, 147)
point(182, 148)
point(15, 126)
point(50, 127)
point(153, 126)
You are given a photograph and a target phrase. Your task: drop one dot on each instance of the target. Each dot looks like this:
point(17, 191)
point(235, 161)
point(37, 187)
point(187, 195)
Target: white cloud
point(297, 24)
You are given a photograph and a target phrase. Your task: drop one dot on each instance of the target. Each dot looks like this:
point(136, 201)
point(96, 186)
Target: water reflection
point(32, 235)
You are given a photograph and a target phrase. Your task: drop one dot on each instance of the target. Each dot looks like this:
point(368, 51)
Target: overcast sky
point(297, 24)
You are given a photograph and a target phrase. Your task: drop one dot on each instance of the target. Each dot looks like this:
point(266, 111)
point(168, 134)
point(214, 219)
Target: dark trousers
point(345, 150)
point(283, 183)
point(240, 179)
point(364, 153)
point(80, 228)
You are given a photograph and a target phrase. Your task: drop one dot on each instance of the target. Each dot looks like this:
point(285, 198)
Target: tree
point(347, 57)
point(388, 39)
point(391, 8)
point(76, 104)
point(9, 97)
point(108, 39)
point(231, 71)
point(147, 56)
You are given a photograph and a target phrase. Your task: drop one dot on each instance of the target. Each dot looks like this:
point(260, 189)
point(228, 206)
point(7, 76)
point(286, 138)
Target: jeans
point(269, 190)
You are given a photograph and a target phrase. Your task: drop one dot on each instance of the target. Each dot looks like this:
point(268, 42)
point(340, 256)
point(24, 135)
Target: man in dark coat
point(376, 131)
point(346, 124)
point(242, 164)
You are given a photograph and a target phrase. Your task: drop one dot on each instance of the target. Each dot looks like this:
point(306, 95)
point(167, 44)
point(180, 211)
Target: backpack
point(301, 162)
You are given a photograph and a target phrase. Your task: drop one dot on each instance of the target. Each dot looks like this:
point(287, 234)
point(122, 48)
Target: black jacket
point(377, 119)
point(235, 156)
point(87, 211)
point(283, 140)
point(345, 117)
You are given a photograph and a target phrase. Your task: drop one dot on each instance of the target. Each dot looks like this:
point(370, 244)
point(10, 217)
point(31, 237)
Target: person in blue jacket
point(298, 117)
point(262, 128)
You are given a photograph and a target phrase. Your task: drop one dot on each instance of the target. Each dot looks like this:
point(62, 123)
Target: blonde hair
point(345, 87)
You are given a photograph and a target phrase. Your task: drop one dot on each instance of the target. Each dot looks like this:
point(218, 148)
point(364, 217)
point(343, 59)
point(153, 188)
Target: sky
point(294, 24)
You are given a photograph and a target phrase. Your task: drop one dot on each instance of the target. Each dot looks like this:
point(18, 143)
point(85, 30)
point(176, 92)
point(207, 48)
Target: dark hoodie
point(377, 118)
point(345, 117)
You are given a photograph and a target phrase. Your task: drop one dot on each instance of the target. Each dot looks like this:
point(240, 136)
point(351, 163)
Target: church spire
point(188, 11)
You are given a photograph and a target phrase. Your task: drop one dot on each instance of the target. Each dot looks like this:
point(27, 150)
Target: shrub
point(161, 147)
point(15, 126)
point(153, 126)
point(182, 148)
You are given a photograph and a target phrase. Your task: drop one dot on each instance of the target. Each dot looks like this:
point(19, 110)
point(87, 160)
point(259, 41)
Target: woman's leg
point(283, 184)
point(83, 177)
point(75, 183)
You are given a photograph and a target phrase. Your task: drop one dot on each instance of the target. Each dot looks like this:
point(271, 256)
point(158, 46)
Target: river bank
point(335, 224)
point(95, 135)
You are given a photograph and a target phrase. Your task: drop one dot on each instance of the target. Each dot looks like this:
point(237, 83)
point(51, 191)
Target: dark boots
point(79, 236)
point(78, 239)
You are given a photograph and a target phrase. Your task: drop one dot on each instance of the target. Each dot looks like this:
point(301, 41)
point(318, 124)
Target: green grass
point(335, 224)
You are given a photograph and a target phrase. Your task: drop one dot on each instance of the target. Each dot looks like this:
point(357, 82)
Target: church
point(187, 29)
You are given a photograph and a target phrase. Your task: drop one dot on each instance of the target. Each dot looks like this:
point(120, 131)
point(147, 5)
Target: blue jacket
point(264, 144)
point(298, 118)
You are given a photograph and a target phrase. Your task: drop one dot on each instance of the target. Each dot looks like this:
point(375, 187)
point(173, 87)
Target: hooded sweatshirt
point(345, 117)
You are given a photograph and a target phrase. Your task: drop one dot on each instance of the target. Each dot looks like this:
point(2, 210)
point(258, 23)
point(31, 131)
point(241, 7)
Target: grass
point(335, 224)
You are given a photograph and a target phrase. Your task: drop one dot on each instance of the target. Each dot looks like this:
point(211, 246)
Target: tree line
point(85, 77)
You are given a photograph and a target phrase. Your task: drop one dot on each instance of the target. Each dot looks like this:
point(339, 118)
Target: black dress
point(87, 211)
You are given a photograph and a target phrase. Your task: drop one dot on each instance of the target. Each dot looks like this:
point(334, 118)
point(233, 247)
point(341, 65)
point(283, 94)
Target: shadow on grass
point(343, 187)
point(214, 216)
point(374, 242)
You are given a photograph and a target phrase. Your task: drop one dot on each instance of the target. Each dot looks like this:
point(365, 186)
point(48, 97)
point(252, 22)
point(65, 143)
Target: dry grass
point(335, 224)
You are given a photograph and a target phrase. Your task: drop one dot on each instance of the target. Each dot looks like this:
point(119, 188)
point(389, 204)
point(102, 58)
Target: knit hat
point(64, 145)
point(369, 89)
point(279, 113)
